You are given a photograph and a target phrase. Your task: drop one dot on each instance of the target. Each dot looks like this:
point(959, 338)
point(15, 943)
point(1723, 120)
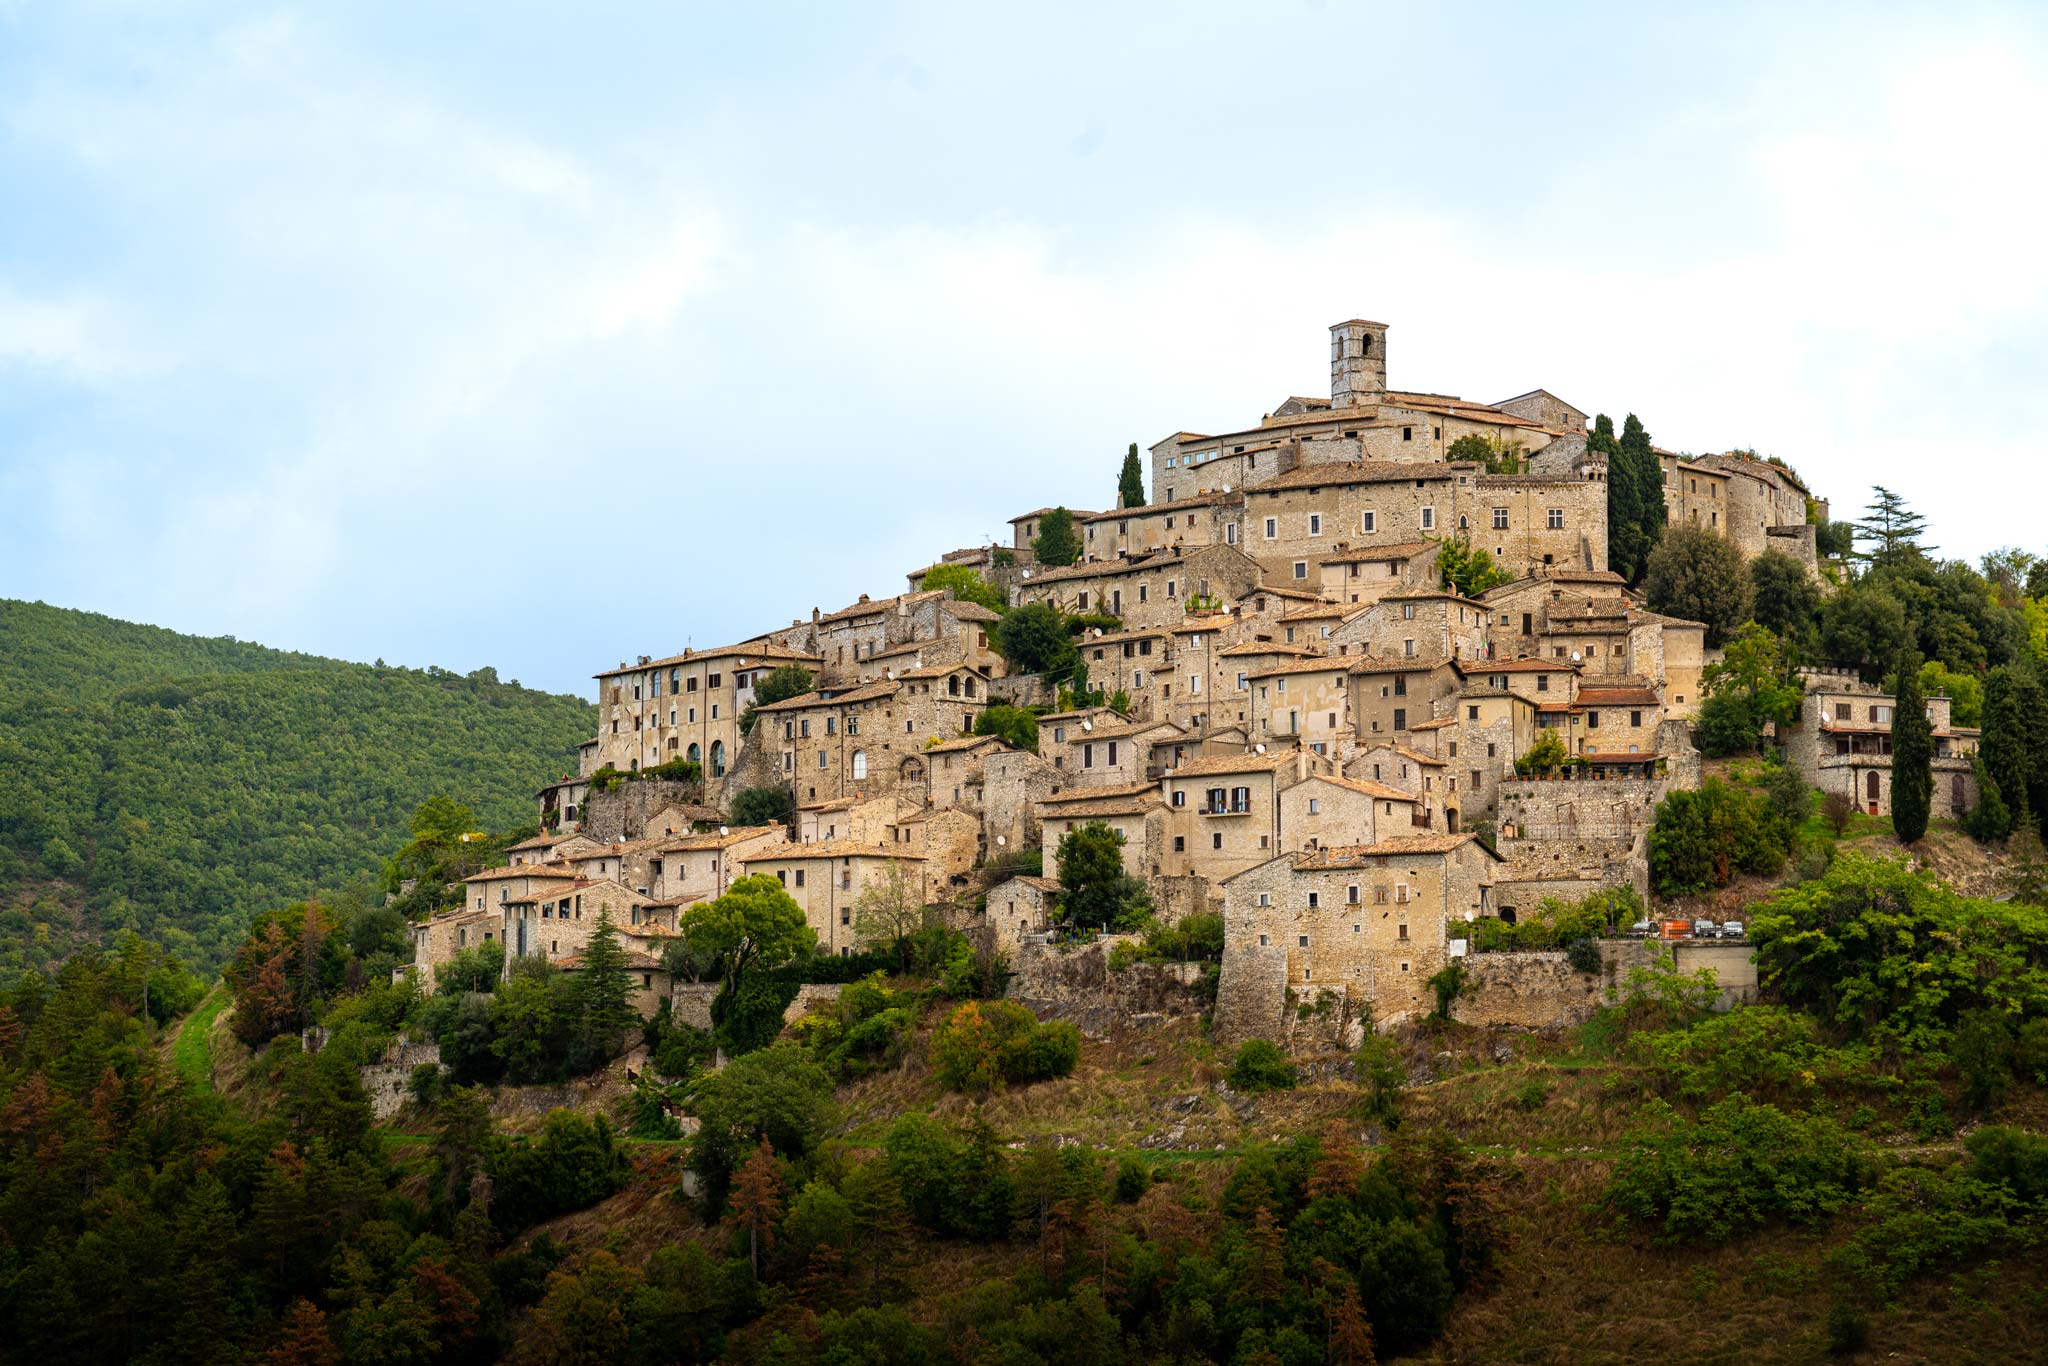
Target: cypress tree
point(1912, 753)
point(1131, 483)
point(1646, 489)
point(1056, 545)
point(2003, 748)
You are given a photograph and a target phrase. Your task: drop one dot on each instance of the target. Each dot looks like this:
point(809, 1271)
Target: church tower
point(1358, 363)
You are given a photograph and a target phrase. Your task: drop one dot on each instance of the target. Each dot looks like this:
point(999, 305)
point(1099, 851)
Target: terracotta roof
point(866, 692)
point(1233, 763)
point(1452, 406)
point(545, 841)
point(1095, 569)
point(1106, 806)
point(1617, 697)
point(1404, 550)
point(1368, 664)
point(1282, 591)
point(758, 650)
point(1612, 757)
point(1079, 515)
point(968, 742)
point(1119, 731)
point(1437, 724)
point(1086, 794)
point(1600, 576)
point(1149, 509)
point(713, 840)
point(1245, 649)
point(935, 671)
point(1121, 637)
point(1380, 791)
point(830, 849)
point(1469, 667)
point(1353, 472)
point(1356, 855)
point(1335, 664)
point(1429, 595)
point(1043, 884)
point(523, 870)
point(1322, 611)
point(1499, 695)
point(1080, 712)
point(1411, 755)
point(972, 611)
point(691, 811)
point(868, 606)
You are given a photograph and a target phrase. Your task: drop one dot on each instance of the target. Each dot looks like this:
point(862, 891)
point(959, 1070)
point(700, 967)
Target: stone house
point(685, 706)
point(1389, 695)
point(1365, 574)
point(1138, 664)
point(1694, 494)
point(1016, 908)
point(1539, 680)
point(495, 886)
point(1518, 608)
point(1024, 529)
point(557, 922)
point(1841, 742)
point(437, 940)
point(860, 818)
point(1014, 782)
point(1546, 410)
point(1761, 495)
point(1105, 751)
point(688, 868)
point(1617, 720)
point(1424, 776)
point(953, 772)
point(1494, 728)
point(650, 981)
point(873, 737)
point(548, 847)
point(1136, 811)
point(1416, 623)
point(1225, 811)
point(1530, 521)
point(1230, 673)
point(1146, 590)
point(1189, 522)
point(1313, 625)
point(1295, 519)
point(827, 881)
point(1325, 810)
point(949, 841)
point(1304, 702)
point(1370, 923)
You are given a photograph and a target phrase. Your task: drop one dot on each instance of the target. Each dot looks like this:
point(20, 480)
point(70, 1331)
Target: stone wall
point(1075, 983)
point(623, 812)
point(690, 1002)
point(1180, 897)
point(1586, 808)
point(1528, 991)
point(388, 1081)
point(1251, 995)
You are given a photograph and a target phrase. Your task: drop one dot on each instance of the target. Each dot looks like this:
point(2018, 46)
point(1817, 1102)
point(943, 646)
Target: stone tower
point(1358, 363)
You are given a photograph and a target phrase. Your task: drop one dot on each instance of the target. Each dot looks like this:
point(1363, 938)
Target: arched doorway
point(696, 755)
point(718, 758)
point(1870, 790)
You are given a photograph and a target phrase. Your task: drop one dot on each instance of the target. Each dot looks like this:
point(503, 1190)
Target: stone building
point(1024, 529)
point(827, 881)
point(1226, 812)
point(1841, 742)
point(697, 867)
point(1014, 782)
point(1136, 811)
point(1206, 519)
point(1367, 573)
point(1146, 590)
point(1304, 702)
point(1104, 751)
point(1388, 696)
point(1530, 522)
point(1369, 923)
point(1016, 908)
point(872, 737)
point(685, 706)
point(1416, 623)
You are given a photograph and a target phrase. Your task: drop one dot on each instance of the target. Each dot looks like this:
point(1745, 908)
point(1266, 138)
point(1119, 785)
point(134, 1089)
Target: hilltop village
point(1282, 705)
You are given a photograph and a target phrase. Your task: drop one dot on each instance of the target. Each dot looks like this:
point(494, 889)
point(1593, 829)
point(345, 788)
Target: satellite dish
point(1258, 749)
point(723, 830)
point(1002, 840)
point(1087, 725)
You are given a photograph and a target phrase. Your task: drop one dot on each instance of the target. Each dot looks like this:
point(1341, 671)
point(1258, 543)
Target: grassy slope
point(180, 785)
point(1571, 1287)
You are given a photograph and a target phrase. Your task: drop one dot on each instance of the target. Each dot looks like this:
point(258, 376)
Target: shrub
point(1261, 1066)
point(573, 1163)
point(1449, 983)
point(1740, 1165)
point(778, 1093)
point(984, 1044)
point(1836, 809)
point(1583, 955)
point(955, 1183)
point(1132, 1178)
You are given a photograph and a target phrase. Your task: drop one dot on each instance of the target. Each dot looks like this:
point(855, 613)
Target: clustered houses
point(1309, 730)
point(1841, 742)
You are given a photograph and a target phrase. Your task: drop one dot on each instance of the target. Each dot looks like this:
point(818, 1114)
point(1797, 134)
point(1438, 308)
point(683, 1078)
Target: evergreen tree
point(782, 683)
point(1989, 819)
point(1635, 501)
point(605, 992)
point(1912, 753)
point(1131, 483)
point(1787, 600)
point(1056, 545)
point(1891, 529)
point(1698, 576)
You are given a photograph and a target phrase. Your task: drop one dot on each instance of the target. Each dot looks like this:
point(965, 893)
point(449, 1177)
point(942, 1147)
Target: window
point(1369, 522)
point(1402, 932)
point(1407, 433)
point(1379, 896)
point(1180, 798)
point(1315, 524)
point(1314, 900)
point(1180, 843)
point(799, 877)
point(1542, 682)
point(1216, 840)
point(860, 765)
point(1429, 519)
point(1554, 519)
point(1400, 718)
point(1635, 718)
point(1301, 569)
point(1351, 894)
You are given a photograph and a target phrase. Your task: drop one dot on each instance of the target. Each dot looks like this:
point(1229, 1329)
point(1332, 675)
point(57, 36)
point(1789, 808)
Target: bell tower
point(1358, 363)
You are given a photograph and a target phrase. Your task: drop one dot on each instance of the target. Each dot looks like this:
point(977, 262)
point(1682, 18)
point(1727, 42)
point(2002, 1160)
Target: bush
point(1740, 1165)
point(1132, 1179)
point(1836, 809)
point(752, 1017)
point(1260, 1066)
point(763, 806)
point(984, 1044)
point(1583, 955)
point(778, 1093)
point(955, 1184)
point(1702, 838)
point(572, 1164)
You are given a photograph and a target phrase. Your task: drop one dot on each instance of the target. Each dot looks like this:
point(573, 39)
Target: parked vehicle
point(1705, 929)
point(1733, 929)
point(1642, 929)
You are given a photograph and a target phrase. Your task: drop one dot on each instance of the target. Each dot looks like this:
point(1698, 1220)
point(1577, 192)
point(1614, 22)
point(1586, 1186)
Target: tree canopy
point(1697, 575)
point(1034, 639)
point(1057, 544)
point(965, 584)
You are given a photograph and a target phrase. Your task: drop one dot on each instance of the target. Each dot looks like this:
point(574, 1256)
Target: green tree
point(889, 912)
point(778, 1093)
point(1864, 625)
point(783, 682)
point(1749, 686)
point(1989, 819)
point(1016, 725)
point(1912, 754)
point(1635, 501)
point(1131, 482)
point(2007, 745)
point(766, 805)
point(1890, 529)
point(1034, 639)
point(1785, 598)
point(755, 924)
point(1698, 576)
point(604, 994)
point(1057, 545)
point(1545, 755)
point(1095, 891)
point(965, 584)
point(1468, 569)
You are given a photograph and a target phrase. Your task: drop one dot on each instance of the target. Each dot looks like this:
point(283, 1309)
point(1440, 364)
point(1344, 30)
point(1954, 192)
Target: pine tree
point(1131, 483)
point(1348, 1333)
point(1056, 545)
point(1339, 1168)
point(755, 1203)
point(1912, 753)
point(303, 1339)
point(1892, 529)
point(605, 992)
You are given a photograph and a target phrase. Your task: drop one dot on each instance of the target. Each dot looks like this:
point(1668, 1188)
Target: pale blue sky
point(498, 335)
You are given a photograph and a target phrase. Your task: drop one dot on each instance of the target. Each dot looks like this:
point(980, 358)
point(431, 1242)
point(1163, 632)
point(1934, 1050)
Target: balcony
point(1233, 810)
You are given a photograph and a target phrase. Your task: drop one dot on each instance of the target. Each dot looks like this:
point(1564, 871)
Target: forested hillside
point(178, 786)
